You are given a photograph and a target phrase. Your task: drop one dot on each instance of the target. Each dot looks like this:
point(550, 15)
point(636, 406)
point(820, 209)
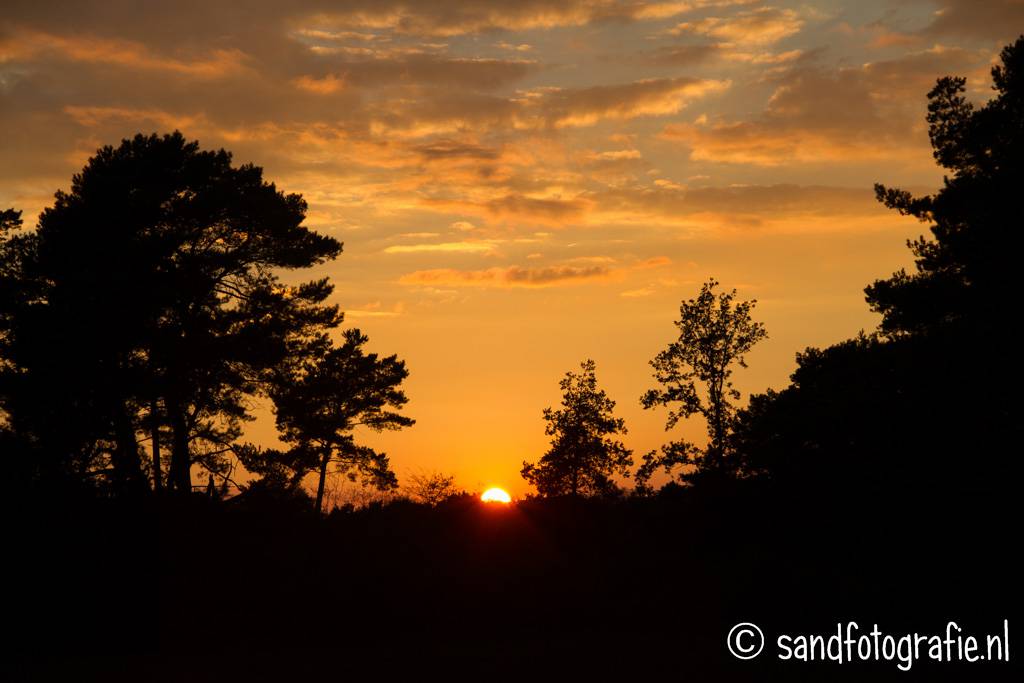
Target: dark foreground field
point(634, 590)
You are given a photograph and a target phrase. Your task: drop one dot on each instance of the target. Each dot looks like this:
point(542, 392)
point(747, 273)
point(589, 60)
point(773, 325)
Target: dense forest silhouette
point(163, 294)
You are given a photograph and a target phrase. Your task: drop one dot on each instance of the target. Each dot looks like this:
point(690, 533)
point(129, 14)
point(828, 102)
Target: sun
point(496, 495)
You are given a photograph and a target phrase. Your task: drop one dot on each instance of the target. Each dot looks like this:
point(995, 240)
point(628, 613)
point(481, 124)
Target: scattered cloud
point(454, 17)
point(999, 20)
point(617, 155)
point(514, 276)
point(761, 26)
point(683, 55)
point(375, 310)
point(579, 270)
point(28, 45)
point(328, 85)
point(637, 293)
point(443, 247)
point(522, 47)
point(867, 112)
point(448, 149)
point(572, 107)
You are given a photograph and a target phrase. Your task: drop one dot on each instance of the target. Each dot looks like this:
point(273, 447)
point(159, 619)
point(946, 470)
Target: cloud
point(458, 17)
point(761, 26)
point(375, 310)
point(443, 247)
point(540, 109)
point(868, 112)
point(556, 212)
point(91, 117)
point(617, 155)
point(448, 149)
point(683, 55)
point(385, 128)
point(1000, 20)
point(572, 107)
point(476, 73)
point(579, 270)
point(546, 210)
point(28, 45)
point(522, 47)
point(327, 85)
point(514, 276)
point(655, 262)
point(720, 210)
point(637, 293)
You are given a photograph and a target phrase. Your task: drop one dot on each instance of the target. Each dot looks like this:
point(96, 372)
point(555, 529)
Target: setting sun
point(496, 495)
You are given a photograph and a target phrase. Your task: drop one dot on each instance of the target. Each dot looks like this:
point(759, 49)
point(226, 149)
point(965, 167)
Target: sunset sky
point(520, 185)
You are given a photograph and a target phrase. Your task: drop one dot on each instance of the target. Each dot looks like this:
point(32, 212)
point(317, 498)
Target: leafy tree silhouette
point(930, 403)
point(432, 489)
point(149, 299)
point(967, 273)
point(715, 332)
point(583, 456)
point(319, 404)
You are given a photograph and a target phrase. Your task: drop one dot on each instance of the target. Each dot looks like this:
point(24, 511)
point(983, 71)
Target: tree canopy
point(966, 273)
point(149, 301)
point(715, 333)
point(583, 457)
point(930, 402)
point(319, 405)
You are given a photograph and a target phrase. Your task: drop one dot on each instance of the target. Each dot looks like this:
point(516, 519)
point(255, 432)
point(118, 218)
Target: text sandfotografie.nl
point(849, 643)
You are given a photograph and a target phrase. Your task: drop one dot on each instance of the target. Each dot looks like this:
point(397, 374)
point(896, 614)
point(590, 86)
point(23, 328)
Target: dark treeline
point(141, 319)
point(145, 314)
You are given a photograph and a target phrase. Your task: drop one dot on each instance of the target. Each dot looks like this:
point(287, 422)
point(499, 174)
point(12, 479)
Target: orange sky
point(521, 184)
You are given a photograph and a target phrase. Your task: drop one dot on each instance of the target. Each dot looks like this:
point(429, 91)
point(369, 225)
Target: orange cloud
point(514, 206)
point(98, 116)
point(454, 17)
point(514, 276)
point(761, 26)
point(327, 85)
point(868, 112)
point(999, 20)
point(572, 107)
point(448, 148)
point(477, 73)
point(781, 199)
point(577, 271)
point(28, 45)
point(448, 112)
point(682, 55)
point(484, 247)
point(374, 310)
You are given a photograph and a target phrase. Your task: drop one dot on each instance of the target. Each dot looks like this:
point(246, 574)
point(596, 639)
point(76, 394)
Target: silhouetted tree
point(930, 403)
point(319, 404)
point(583, 456)
point(715, 332)
point(968, 272)
point(12, 280)
point(149, 298)
point(431, 489)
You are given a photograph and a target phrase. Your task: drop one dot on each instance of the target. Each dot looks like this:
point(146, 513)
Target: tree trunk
point(180, 474)
point(323, 477)
point(716, 450)
point(155, 433)
point(127, 467)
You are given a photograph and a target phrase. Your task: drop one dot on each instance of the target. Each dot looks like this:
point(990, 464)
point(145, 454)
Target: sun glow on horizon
point(495, 495)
